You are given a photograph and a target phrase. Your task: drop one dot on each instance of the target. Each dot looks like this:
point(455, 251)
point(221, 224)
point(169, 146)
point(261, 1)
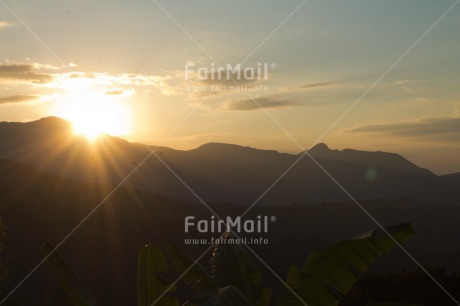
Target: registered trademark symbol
point(272, 218)
point(273, 66)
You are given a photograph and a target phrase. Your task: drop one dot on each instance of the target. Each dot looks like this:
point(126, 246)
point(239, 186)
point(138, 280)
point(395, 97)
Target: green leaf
point(265, 296)
point(196, 277)
point(77, 292)
point(233, 266)
point(151, 288)
point(326, 277)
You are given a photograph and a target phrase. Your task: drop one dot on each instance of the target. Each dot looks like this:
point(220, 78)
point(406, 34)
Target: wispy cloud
point(309, 86)
point(316, 85)
point(258, 103)
point(4, 24)
point(119, 84)
point(24, 73)
point(120, 92)
point(36, 74)
point(114, 84)
point(405, 82)
point(18, 99)
point(114, 92)
point(435, 128)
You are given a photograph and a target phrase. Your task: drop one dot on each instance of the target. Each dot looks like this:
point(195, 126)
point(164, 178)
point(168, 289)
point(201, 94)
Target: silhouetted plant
point(235, 279)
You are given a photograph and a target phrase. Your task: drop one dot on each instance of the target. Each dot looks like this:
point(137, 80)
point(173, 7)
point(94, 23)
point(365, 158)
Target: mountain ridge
point(223, 172)
point(38, 207)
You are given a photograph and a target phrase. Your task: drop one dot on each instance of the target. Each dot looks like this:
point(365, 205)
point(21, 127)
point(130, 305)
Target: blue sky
point(129, 57)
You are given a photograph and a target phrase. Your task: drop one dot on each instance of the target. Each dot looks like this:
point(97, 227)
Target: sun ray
point(92, 112)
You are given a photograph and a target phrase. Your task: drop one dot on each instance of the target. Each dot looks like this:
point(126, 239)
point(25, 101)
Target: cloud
point(27, 73)
point(120, 92)
point(258, 103)
point(405, 82)
point(316, 85)
point(18, 99)
point(309, 86)
point(435, 128)
point(114, 92)
point(80, 75)
point(74, 80)
point(66, 78)
point(4, 24)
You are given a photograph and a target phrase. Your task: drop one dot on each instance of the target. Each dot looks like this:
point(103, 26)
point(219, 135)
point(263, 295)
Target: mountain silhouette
point(452, 179)
point(223, 172)
point(38, 206)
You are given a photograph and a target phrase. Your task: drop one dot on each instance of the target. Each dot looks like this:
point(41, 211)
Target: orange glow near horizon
point(93, 113)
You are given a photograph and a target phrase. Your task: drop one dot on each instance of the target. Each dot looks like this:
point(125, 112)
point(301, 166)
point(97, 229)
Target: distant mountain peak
point(319, 149)
point(51, 124)
point(225, 149)
point(52, 121)
point(217, 145)
point(228, 147)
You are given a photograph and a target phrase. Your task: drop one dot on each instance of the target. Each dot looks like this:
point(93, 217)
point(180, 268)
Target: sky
point(368, 75)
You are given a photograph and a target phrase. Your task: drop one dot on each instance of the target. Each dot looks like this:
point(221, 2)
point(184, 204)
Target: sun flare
point(92, 114)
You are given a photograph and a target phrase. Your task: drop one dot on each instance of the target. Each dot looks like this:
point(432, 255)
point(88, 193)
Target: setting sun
point(93, 114)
